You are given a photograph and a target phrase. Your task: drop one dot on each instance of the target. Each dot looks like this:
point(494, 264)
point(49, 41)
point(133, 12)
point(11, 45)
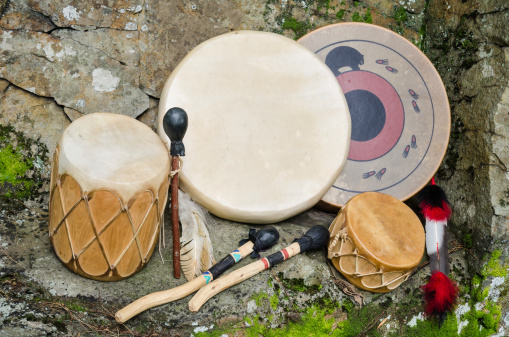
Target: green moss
point(367, 16)
point(76, 305)
point(313, 323)
point(400, 15)
point(298, 285)
point(17, 162)
point(274, 301)
point(347, 305)
point(494, 267)
point(340, 14)
point(356, 17)
point(426, 328)
point(492, 317)
point(259, 297)
point(320, 4)
point(467, 240)
point(326, 303)
point(481, 323)
point(481, 295)
point(300, 28)
point(13, 168)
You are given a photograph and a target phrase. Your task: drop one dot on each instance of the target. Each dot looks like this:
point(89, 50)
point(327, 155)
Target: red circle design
point(394, 120)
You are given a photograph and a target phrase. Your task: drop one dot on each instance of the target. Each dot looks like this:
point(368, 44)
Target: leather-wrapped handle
point(316, 238)
point(175, 127)
point(262, 239)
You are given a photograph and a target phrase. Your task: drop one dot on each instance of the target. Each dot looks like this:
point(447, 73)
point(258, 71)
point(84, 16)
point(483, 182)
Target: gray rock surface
point(35, 116)
point(467, 44)
point(76, 76)
point(60, 60)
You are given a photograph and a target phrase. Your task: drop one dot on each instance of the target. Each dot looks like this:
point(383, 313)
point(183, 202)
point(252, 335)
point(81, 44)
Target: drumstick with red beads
point(315, 238)
point(258, 240)
point(440, 293)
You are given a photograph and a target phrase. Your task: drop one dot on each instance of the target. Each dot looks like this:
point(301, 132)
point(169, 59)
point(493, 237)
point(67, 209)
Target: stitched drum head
point(268, 130)
point(380, 241)
point(398, 105)
point(114, 152)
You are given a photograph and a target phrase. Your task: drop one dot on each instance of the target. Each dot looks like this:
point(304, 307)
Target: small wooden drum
point(376, 241)
point(399, 108)
point(269, 127)
point(109, 186)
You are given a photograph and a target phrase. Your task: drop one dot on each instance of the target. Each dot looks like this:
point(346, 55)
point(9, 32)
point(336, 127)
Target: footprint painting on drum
point(396, 101)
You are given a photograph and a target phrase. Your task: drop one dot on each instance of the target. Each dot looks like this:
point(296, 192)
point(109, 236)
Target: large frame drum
point(376, 241)
point(269, 127)
point(400, 113)
point(109, 186)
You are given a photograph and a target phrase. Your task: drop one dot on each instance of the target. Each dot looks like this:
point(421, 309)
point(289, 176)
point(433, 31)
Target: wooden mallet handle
point(175, 127)
point(317, 237)
point(261, 240)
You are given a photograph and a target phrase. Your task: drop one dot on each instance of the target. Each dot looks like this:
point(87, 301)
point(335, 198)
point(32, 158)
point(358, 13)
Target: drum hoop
point(343, 236)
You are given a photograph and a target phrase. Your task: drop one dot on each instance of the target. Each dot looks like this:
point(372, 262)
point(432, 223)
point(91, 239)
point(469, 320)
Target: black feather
point(433, 196)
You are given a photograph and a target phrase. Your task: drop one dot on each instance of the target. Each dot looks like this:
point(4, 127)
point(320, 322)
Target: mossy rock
point(22, 162)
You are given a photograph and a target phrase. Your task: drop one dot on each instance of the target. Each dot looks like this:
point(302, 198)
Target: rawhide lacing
point(343, 236)
point(181, 164)
point(123, 210)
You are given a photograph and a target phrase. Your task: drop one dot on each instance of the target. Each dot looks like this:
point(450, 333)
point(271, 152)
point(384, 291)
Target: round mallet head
point(262, 240)
point(266, 238)
point(175, 127)
point(315, 238)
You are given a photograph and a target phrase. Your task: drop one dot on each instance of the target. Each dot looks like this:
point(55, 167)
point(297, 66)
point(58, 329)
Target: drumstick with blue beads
point(315, 238)
point(258, 241)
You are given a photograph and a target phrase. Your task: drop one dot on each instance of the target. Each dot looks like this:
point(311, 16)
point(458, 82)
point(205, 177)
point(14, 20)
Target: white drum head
point(269, 126)
point(113, 152)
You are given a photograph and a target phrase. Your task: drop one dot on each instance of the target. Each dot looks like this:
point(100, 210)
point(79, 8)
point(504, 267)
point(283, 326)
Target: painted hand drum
point(269, 127)
point(109, 186)
point(398, 105)
point(376, 241)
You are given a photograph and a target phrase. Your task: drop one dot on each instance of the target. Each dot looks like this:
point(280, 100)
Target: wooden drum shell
point(106, 232)
point(376, 241)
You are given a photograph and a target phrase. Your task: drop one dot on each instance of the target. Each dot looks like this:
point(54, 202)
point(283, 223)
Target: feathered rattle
point(441, 292)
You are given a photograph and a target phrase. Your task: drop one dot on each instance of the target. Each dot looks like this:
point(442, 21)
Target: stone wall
point(62, 59)
point(468, 43)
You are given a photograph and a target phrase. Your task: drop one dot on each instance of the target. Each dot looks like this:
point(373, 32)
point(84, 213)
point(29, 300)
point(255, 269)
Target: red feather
point(440, 294)
point(436, 213)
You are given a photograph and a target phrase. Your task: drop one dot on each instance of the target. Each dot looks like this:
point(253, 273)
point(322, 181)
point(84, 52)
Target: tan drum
point(109, 186)
point(268, 130)
point(376, 241)
point(399, 109)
